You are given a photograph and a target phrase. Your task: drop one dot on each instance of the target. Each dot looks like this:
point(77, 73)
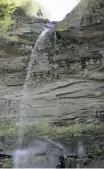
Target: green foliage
point(28, 6)
point(6, 163)
point(39, 159)
point(6, 9)
point(62, 25)
point(4, 25)
point(7, 128)
point(42, 130)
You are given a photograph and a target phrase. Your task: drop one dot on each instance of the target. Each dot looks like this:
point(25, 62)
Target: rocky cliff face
point(87, 12)
point(67, 80)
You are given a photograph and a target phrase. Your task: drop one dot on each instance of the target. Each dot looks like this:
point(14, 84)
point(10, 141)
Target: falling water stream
point(23, 157)
point(34, 56)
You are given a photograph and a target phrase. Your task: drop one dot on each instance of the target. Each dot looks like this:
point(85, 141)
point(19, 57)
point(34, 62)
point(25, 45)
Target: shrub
point(6, 9)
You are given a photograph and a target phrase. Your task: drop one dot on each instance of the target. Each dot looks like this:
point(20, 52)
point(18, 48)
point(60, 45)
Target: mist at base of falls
point(40, 154)
point(25, 157)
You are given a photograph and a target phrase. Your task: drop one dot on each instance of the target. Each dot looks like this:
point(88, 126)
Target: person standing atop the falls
point(39, 14)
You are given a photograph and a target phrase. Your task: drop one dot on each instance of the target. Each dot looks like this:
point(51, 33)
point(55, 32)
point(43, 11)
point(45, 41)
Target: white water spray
point(81, 151)
point(34, 55)
point(23, 156)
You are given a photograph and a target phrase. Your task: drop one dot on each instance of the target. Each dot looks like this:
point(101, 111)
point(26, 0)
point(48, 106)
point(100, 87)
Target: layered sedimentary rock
point(66, 83)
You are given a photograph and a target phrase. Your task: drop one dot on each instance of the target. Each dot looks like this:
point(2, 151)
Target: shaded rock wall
point(66, 83)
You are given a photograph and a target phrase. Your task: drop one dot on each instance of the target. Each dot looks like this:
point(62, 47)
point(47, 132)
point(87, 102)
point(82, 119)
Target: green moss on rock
point(6, 163)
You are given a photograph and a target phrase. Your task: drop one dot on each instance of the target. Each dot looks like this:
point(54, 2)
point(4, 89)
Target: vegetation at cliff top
point(7, 7)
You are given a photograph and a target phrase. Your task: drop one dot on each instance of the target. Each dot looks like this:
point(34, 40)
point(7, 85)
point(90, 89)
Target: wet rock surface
point(78, 152)
point(65, 88)
point(66, 81)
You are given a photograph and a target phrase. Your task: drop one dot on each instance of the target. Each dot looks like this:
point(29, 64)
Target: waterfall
point(34, 56)
point(23, 157)
point(81, 153)
point(22, 122)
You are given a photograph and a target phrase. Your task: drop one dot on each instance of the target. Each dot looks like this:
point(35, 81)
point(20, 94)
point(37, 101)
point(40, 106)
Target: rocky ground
point(81, 144)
